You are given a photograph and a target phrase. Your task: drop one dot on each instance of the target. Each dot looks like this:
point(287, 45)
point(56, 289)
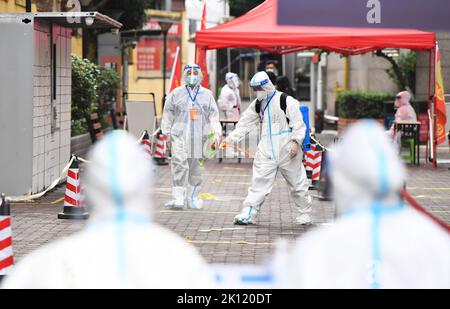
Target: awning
point(91, 20)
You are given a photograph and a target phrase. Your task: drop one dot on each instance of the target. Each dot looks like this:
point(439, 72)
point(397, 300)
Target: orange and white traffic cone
point(160, 149)
point(6, 251)
point(146, 144)
point(72, 200)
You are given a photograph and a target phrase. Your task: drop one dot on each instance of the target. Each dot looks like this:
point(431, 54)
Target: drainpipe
point(28, 6)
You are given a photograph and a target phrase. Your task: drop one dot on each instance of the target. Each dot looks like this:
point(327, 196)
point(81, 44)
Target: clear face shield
point(192, 76)
point(260, 92)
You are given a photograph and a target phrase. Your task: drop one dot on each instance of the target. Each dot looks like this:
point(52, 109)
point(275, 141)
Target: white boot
point(246, 216)
point(304, 219)
point(192, 199)
point(178, 194)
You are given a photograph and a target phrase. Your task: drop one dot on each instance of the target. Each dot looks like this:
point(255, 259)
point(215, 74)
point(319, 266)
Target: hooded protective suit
point(190, 115)
point(230, 99)
point(121, 247)
point(377, 241)
point(279, 141)
point(405, 112)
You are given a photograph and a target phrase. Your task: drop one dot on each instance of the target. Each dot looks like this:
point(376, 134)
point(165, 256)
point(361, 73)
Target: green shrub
point(358, 105)
point(92, 88)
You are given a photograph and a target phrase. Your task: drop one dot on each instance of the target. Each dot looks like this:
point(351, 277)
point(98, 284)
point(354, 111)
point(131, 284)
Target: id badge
point(193, 113)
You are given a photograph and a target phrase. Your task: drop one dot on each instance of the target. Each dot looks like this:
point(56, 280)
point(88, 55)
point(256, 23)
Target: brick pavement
point(211, 229)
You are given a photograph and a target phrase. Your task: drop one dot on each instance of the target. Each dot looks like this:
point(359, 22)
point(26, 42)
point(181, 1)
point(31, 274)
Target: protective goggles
point(191, 67)
point(258, 86)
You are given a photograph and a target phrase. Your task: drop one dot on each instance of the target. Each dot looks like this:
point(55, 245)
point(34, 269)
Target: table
point(410, 129)
point(224, 122)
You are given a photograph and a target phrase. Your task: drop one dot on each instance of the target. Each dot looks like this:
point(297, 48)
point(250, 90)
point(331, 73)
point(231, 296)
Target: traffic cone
point(160, 149)
point(72, 200)
point(313, 162)
point(147, 144)
point(324, 184)
point(6, 252)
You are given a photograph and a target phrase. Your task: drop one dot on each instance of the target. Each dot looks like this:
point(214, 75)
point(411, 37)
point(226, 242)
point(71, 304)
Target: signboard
point(141, 116)
point(150, 50)
point(411, 14)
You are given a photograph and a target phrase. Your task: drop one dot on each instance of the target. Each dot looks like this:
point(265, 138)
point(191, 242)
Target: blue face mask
point(192, 80)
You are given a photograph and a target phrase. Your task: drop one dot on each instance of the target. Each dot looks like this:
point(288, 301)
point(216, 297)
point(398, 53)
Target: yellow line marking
point(198, 211)
point(415, 188)
point(238, 242)
point(57, 201)
point(228, 175)
point(235, 168)
point(221, 229)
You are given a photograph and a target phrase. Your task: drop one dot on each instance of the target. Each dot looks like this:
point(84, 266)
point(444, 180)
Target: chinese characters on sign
point(150, 50)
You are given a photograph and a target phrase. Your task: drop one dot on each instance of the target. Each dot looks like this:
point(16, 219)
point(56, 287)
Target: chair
point(410, 139)
point(409, 142)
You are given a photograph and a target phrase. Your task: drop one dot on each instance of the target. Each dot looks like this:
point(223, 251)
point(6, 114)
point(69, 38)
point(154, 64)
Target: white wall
point(51, 146)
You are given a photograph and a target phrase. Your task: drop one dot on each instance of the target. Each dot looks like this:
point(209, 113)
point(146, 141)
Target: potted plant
point(356, 105)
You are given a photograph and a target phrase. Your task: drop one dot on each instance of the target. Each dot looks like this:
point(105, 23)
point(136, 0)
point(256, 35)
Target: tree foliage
point(407, 67)
point(240, 7)
point(92, 88)
point(359, 104)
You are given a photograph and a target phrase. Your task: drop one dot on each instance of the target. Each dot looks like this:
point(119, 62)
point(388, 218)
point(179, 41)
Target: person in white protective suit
point(190, 116)
point(377, 241)
point(230, 98)
point(405, 112)
point(121, 246)
point(279, 150)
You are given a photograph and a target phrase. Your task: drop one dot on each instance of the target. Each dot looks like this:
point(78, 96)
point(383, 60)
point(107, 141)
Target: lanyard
point(195, 96)
point(268, 102)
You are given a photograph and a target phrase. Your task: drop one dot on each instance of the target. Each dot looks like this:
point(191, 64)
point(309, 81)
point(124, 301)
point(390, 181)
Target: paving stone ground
point(211, 229)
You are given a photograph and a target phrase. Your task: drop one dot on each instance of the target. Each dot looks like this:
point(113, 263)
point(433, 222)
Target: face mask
point(192, 80)
point(274, 71)
point(236, 82)
point(261, 95)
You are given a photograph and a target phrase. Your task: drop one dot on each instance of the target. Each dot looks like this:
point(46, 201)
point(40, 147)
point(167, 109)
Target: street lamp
point(165, 26)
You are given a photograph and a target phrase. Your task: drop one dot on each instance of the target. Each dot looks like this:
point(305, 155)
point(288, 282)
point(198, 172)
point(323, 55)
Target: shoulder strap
point(283, 102)
point(283, 105)
point(258, 107)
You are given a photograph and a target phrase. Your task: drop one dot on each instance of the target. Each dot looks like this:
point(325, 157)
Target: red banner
point(439, 101)
point(201, 54)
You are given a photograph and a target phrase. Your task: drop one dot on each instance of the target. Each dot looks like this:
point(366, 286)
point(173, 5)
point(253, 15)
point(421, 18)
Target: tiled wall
point(51, 144)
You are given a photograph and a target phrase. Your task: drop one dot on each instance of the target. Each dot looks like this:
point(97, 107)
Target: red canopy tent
point(259, 29)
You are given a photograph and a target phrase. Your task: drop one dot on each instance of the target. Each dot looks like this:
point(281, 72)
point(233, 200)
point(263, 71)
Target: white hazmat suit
point(279, 141)
point(405, 112)
point(230, 98)
point(377, 241)
point(190, 115)
point(121, 247)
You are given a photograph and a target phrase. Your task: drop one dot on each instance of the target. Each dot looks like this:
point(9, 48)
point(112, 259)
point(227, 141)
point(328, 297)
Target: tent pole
point(434, 110)
point(428, 150)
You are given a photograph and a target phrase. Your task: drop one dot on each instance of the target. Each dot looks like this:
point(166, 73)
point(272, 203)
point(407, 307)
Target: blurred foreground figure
point(121, 247)
point(377, 241)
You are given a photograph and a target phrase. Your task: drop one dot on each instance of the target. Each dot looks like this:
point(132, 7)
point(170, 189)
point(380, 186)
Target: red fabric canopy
point(258, 29)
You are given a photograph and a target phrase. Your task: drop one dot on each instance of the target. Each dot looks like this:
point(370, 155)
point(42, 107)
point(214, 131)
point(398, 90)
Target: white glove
point(294, 147)
point(216, 142)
